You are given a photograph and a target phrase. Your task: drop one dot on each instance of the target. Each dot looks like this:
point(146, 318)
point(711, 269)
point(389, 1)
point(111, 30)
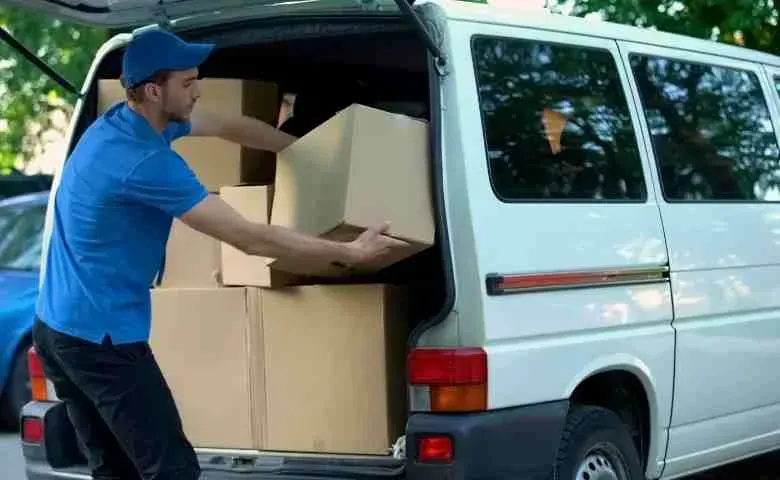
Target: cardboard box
point(218, 162)
point(305, 369)
point(192, 258)
point(361, 167)
point(200, 338)
point(335, 368)
point(238, 268)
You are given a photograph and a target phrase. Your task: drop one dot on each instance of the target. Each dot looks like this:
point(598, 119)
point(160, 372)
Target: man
point(120, 190)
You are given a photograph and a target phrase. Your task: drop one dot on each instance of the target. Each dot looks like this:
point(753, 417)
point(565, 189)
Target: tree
point(28, 97)
point(750, 23)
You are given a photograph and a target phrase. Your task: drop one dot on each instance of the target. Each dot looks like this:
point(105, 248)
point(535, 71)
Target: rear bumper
point(517, 443)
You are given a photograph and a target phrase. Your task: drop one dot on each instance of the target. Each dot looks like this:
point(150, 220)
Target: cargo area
point(288, 356)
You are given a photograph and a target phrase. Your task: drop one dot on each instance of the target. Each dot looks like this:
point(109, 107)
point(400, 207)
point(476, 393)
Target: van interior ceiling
point(327, 67)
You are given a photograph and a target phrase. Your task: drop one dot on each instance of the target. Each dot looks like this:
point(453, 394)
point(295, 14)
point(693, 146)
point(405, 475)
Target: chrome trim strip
point(505, 284)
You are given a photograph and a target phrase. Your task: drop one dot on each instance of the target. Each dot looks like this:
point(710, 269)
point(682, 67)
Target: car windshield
point(21, 228)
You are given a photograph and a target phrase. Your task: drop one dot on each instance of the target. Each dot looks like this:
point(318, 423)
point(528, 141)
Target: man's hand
point(243, 130)
point(372, 244)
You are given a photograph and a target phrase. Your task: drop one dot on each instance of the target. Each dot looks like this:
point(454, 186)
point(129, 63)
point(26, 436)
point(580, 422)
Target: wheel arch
point(612, 381)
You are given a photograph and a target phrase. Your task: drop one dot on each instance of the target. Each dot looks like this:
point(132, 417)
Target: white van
point(603, 297)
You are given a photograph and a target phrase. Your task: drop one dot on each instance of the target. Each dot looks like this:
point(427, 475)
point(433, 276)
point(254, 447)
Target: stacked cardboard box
point(257, 355)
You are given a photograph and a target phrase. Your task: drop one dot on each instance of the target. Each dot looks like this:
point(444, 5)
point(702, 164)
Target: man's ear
point(153, 92)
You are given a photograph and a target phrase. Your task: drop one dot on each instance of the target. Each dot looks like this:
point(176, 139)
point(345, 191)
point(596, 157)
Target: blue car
point(21, 229)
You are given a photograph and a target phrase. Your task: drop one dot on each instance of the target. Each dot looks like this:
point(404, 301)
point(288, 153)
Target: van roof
point(461, 10)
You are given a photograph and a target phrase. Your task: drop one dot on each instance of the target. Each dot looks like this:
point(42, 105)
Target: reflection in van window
point(711, 130)
point(556, 122)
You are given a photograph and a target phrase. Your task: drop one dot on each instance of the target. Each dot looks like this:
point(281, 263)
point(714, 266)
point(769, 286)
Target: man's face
point(179, 94)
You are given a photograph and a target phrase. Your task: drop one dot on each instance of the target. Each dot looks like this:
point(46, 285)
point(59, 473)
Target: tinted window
point(556, 122)
point(711, 130)
point(21, 236)
point(777, 85)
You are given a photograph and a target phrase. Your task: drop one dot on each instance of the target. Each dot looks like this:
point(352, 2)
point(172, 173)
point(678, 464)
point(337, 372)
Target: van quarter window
point(556, 122)
point(711, 131)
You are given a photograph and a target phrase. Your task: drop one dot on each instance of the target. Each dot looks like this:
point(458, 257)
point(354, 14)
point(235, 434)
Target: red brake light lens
point(457, 366)
point(32, 430)
point(435, 449)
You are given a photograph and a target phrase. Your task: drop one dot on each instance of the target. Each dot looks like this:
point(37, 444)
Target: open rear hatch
point(196, 17)
point(128, 14)
point(131, 13)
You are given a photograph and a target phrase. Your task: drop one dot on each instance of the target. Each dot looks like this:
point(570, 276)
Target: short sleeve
point(165, 181)
point(177, 130)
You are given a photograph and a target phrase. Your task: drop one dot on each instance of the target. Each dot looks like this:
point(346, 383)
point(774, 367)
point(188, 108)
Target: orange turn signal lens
point(458, 398)
point(39, 389)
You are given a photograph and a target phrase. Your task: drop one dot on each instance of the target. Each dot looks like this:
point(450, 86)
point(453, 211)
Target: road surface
point(762, 468)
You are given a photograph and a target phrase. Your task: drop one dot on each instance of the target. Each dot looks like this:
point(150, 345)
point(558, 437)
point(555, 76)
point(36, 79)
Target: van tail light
point(436, 448)
point(455, 379)
point(38, 383)
point(32, 430)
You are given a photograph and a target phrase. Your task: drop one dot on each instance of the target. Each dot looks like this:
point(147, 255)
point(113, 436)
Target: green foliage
point(27, 95)
point(751, 23)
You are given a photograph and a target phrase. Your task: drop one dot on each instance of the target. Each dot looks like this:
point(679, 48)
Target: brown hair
point(136, 93)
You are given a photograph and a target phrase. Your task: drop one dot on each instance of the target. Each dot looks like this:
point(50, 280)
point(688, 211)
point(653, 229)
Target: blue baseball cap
point(151, 51)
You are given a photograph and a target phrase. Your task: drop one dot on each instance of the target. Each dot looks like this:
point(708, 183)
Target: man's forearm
point(257, 134)
point(216, 218)
point(278, 242)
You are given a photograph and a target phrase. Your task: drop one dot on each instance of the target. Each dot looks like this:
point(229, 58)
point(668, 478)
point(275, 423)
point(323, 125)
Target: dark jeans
point(120, 406)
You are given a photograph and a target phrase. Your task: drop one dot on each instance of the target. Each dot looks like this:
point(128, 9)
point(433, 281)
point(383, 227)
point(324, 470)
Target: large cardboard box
point(218, 162)
point(192, 258)
point(361, 167)
point(238, 268)
point(201, 337)
point(335, 367)
point(306, 369)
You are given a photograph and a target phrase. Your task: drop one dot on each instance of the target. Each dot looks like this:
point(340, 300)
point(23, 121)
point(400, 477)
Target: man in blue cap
point(119, 191)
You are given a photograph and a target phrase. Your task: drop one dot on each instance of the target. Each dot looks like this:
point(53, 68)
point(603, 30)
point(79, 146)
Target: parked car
point(17, 183)
point(21, 227)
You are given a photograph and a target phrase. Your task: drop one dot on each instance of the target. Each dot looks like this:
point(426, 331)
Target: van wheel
point(596, 445)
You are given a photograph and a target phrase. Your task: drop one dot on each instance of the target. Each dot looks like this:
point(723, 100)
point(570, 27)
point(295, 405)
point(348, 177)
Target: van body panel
point(544, 21)
point(541, 345)
point(774, 79)
point(724, 258)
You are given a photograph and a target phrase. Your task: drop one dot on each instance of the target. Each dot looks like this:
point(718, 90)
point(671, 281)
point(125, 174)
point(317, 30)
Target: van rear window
point(711, 130)
point(556, 122)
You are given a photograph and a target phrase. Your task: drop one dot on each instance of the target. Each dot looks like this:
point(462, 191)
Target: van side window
point(556, 122)
point(711, 130)
point(777, 85)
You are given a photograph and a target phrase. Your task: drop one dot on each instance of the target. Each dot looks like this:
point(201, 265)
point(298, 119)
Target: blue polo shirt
point(119, 192)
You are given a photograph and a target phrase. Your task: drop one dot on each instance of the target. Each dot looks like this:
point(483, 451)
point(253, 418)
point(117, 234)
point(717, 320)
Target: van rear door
point(131, 13)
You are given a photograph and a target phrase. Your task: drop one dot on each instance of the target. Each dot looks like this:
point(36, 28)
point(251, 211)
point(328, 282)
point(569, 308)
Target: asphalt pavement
point(11, 463)
point(766, 467)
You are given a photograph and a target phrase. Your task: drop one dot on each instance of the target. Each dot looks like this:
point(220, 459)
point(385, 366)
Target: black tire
point(596, 444)
point(17, 391)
